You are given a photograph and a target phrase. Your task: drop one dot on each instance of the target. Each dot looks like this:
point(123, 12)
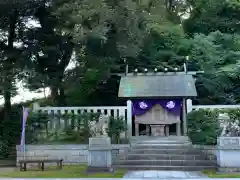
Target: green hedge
point(203, 127)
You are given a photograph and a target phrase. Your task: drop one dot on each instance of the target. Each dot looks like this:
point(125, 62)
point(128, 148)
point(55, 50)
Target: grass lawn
point(77, 171)
point(214, 174)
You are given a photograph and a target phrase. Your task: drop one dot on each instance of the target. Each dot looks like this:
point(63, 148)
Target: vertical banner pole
point(22, 145)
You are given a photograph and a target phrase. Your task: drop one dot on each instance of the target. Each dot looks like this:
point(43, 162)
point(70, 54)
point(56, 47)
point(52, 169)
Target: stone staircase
point(164, 153)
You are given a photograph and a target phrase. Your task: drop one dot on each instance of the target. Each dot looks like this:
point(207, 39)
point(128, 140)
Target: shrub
point(115, 127)
point(203, 127)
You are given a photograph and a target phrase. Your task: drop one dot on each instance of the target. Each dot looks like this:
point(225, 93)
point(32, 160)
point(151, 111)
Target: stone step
point(163, 142)
point(166, 168)
point(162, 146)
point(168, 162)
point(159, 140)
point(165, 157)
point(164, 151)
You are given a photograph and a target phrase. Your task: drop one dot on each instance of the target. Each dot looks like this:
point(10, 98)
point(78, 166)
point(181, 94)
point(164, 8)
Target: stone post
point(36, 106)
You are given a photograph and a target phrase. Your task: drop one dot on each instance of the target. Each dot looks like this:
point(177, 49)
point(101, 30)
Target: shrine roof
point(168, 85)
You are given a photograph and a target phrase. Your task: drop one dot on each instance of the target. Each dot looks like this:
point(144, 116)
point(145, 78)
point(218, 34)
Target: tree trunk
point(9, 66)
point(54, 95)
point(7, 105)
point(58, 94)
point(62, 98)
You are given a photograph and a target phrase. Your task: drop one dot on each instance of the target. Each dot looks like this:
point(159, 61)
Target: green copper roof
point(157, 86)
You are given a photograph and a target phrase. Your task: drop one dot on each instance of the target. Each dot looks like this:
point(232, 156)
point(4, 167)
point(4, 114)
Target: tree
point(212, 15)
point(218, 55)
point(12, 23)
point(50, 50)
point(166, 46)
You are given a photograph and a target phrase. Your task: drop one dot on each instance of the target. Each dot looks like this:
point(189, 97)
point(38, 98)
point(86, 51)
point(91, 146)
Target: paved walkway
point(111, 179)
point(163, 175)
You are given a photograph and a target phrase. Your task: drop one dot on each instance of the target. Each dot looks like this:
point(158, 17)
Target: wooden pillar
point(167, 130)
point(178, 129)
point(129, 119)
point(136, 129)
point(184, 117)
point(147, 130)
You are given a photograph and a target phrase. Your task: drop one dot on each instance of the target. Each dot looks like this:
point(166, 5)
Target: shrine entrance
point(145, 130)
point(157, 116)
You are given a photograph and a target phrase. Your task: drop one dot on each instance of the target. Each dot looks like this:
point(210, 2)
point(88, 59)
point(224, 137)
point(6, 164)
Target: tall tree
point(218, 55)
point(211, 15)
point(50, 50)
point(13, 15)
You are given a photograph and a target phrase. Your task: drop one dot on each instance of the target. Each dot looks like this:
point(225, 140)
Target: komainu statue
point(102, 125)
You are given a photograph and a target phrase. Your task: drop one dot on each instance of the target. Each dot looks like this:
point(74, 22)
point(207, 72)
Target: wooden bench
point(23, 163)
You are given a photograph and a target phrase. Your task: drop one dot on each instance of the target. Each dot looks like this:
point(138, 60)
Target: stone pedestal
point(100, 154)
point(158, 130)
point(228, 154)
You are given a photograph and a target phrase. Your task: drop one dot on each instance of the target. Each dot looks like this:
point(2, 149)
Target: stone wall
point(208, 150)
point(70, 153)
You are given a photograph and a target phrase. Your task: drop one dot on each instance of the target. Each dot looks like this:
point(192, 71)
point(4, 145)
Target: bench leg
point(25, 166)
point(60, 166)
point(42, 166)
point(21, 167)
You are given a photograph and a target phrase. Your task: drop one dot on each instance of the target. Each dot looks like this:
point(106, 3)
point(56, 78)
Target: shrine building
point(158, 102)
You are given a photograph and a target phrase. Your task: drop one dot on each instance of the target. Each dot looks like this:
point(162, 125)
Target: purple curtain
point(142, 106)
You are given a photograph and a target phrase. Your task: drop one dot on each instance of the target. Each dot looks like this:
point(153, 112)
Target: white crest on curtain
point(170, 105)
point(143, 105)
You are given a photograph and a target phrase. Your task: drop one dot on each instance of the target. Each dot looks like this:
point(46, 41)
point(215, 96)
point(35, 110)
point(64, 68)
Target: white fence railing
point(112, 111)
point(115, 111)
point(191, 107)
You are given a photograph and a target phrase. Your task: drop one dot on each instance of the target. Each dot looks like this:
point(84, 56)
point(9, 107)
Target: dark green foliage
point(115, 127)
point(36, 122)
point(211, 15)
point(76, 129)
point(203, 127)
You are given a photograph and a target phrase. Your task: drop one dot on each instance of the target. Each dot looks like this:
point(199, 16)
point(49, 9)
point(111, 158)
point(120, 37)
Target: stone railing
point(70, 153)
